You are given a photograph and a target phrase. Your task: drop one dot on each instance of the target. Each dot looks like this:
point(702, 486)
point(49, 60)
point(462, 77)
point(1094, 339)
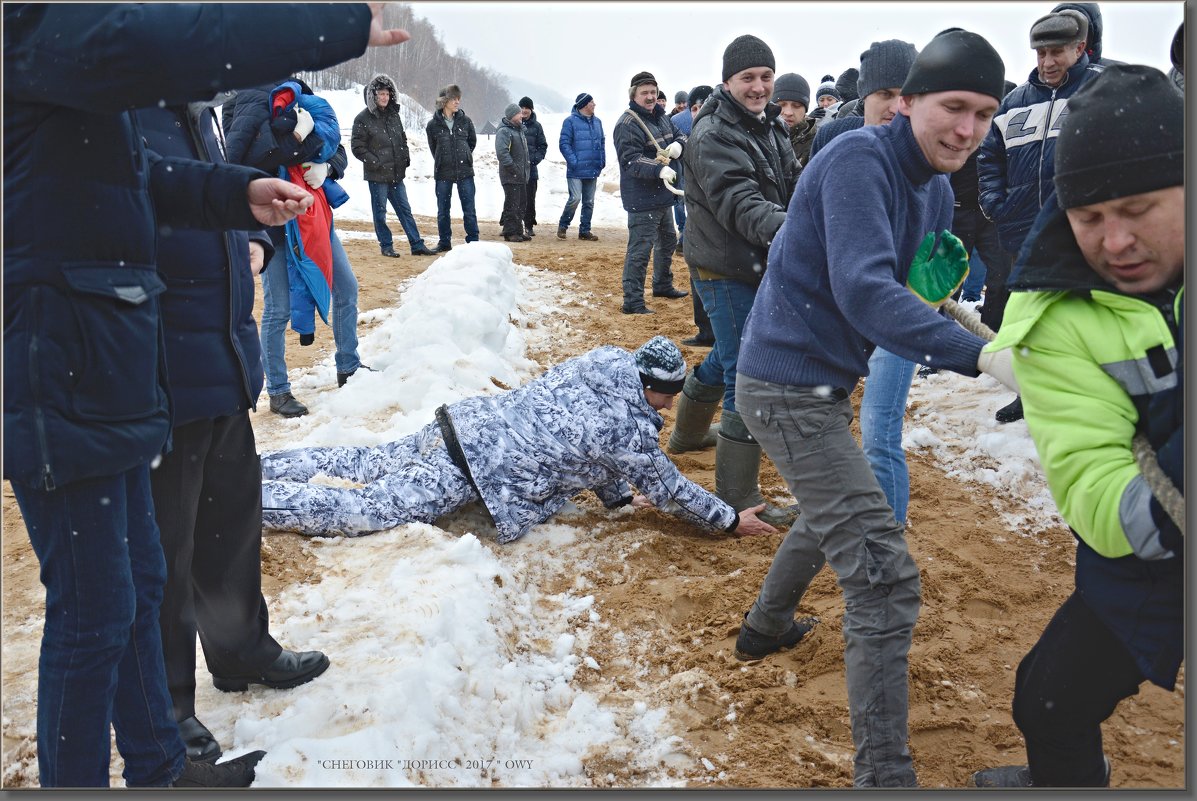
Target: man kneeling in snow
point(590, 423)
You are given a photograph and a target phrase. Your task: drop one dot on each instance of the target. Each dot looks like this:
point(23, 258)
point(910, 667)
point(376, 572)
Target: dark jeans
point(701, 319)
point(650, 232)
point(530, 206)
point(977, 232)
point(515, 198)
point(208, 502)
point(581, 190)
point(396, 193)
point(101, 659)
point(444, 196)
point(1067, 685)
point(997, 271)
point(728, 303)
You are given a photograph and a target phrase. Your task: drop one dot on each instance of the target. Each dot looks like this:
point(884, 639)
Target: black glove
point(818, 113)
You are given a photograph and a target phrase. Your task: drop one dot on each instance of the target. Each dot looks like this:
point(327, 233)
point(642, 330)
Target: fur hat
point(699, 94)
point(450, 92)
point(1059, 29)
point(662, 368)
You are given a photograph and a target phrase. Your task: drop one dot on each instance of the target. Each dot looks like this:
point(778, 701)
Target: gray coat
point(378, 139)
point(511, 147)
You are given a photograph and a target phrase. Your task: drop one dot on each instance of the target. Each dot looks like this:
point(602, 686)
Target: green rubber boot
point(737, 472)
point(696, 405)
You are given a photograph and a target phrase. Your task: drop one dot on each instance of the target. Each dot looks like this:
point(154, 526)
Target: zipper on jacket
point(35, 384)
point(1047, 127)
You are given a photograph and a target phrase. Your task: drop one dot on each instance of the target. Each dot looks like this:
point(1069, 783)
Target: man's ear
point(906, 103)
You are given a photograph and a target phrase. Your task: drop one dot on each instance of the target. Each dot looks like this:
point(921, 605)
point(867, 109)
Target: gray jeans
point(846, 522)
point(652, 232)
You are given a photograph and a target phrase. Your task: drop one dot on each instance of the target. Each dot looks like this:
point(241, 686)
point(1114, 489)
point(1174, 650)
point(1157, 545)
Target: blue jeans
point(396, 193)
point(727, 303)
point(975, 282)
point(101, 660)
point(276, 311)
point(444, 196)
point(649, 232)
point(581, 190)
point(845, 523)
point(882, 410)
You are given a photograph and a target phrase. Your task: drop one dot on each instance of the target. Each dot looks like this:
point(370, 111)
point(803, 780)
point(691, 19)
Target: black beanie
point(744, 53)
point(699, 94)
point(1123, 135)
point(582, 99)
point(641, 78)
point(792, 87)
point(957, 61)
point(846, 84)
point(526, 102)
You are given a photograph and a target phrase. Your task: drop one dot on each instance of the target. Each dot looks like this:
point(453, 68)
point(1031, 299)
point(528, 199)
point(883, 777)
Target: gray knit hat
point(1123, 135)
point(512, 110)
point(662, 368)
point(744, 53)
point(793, 87)
point(957, 60)
point(885, 64)
point(680, 97)
point(1059, 29)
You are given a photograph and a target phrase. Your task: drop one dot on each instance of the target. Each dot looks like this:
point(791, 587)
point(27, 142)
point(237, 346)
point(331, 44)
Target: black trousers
point(515, 198)
point(1067, 685)
point(530, 207)
point(705, 332)
point(976, 231)
point(208, 502)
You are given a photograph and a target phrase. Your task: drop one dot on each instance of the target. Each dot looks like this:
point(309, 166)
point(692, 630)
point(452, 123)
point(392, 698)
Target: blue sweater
point(835, 286)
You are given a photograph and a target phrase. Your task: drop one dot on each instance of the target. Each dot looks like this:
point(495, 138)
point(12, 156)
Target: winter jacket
point(740, 173)
point(583, 425)
point(452, 151)
point(378, 139)
point(538, 145)
point(802, 139)
point(640, 184)
point(1016, 161)
point(213, 353)
point(85, 390)
point(583, 146)
point(511, 148)
point(1095, 367)
point(1093, 40)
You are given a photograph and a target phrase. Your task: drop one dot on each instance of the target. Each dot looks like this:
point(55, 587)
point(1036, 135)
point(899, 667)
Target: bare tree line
point(420, 68)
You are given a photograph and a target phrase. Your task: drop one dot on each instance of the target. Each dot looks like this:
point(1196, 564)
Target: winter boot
point(1010, 412)
point(561, 232)
point(237, 772)
point(751, 644)
point(692, 430)
point(737, 471)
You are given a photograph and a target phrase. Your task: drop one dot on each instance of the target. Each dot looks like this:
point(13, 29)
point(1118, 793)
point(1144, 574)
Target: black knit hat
point(1123, 135)
point(582, 99)
point(641, 78)
point(661, 366)
point(957, 61)
point(846, 84)
point(744, 53)
point(1059, 28)
point(885, 64)
point(792, 87)
point(526, 102)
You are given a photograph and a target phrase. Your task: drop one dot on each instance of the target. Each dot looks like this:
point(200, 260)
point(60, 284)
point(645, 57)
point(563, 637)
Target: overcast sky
point(598, 46)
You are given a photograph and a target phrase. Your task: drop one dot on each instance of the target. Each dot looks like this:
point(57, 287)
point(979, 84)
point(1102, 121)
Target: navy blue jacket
point(213, 353)
point(583, 146)
point(1016, 162)
point(640, 185)
point(538, 145)
point(84, 372)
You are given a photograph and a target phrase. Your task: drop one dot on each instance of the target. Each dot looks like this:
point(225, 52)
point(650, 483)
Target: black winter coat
point(213, 353)
point(511, 149)
point(640, 184)
point(378, 139)
point(84, 374)
point(452, 151)
point(538, 145)
point(740, 173)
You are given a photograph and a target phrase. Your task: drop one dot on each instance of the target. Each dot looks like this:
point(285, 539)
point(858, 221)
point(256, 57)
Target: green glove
point(938, 270)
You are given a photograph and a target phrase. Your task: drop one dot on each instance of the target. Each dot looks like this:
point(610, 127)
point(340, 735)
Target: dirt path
point(670, 600)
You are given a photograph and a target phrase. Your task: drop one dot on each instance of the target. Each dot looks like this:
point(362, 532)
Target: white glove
point(674, 150)
point(303, 124)
point(1000, 365)
point(668, 175)
point(314, 174)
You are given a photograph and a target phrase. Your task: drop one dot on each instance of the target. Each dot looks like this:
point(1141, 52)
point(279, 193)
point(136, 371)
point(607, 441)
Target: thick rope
point(1162, 488)
point(662, 155)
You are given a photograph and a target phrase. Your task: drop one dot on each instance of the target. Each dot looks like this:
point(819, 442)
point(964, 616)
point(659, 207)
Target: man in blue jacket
point(850, 239)
point(584, 148)
point(86, 407)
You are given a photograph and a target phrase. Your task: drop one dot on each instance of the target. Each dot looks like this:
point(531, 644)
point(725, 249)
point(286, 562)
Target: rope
point(1162, 488)
point(662, 155)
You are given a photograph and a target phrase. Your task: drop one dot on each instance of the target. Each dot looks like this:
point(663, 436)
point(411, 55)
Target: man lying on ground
point(590, 423)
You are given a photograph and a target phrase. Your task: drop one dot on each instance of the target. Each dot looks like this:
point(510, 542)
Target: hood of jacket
point(380, 81)
point(1092, 12)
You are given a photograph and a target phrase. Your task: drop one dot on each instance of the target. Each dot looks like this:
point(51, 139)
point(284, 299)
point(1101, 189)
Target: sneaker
point(287, 406)
point(671, 293)
point(390, 252)
point(1010, 412)
point(561, 233)
point(637, 310)
point(1006, 776)
point(342, 378)
point(237, 772)
point(589, 237)
point(751, 644)
point(443, 248)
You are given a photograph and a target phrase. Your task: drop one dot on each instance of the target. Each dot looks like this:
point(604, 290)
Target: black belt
point(456, 454)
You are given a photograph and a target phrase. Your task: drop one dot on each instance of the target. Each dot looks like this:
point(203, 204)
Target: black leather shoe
point(237, 772)
point(287, 406)
point(443, 248)
point(637, 310)
point(1005, 776)
point(291, 669)
point(751, 644)
point(1010, 412)
point(515, 238)
point(672, 292)
point(390, 252)
point(423, 252)
point(201, 745)
point(342, 378)
point(589, 237)
point(698, 342)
